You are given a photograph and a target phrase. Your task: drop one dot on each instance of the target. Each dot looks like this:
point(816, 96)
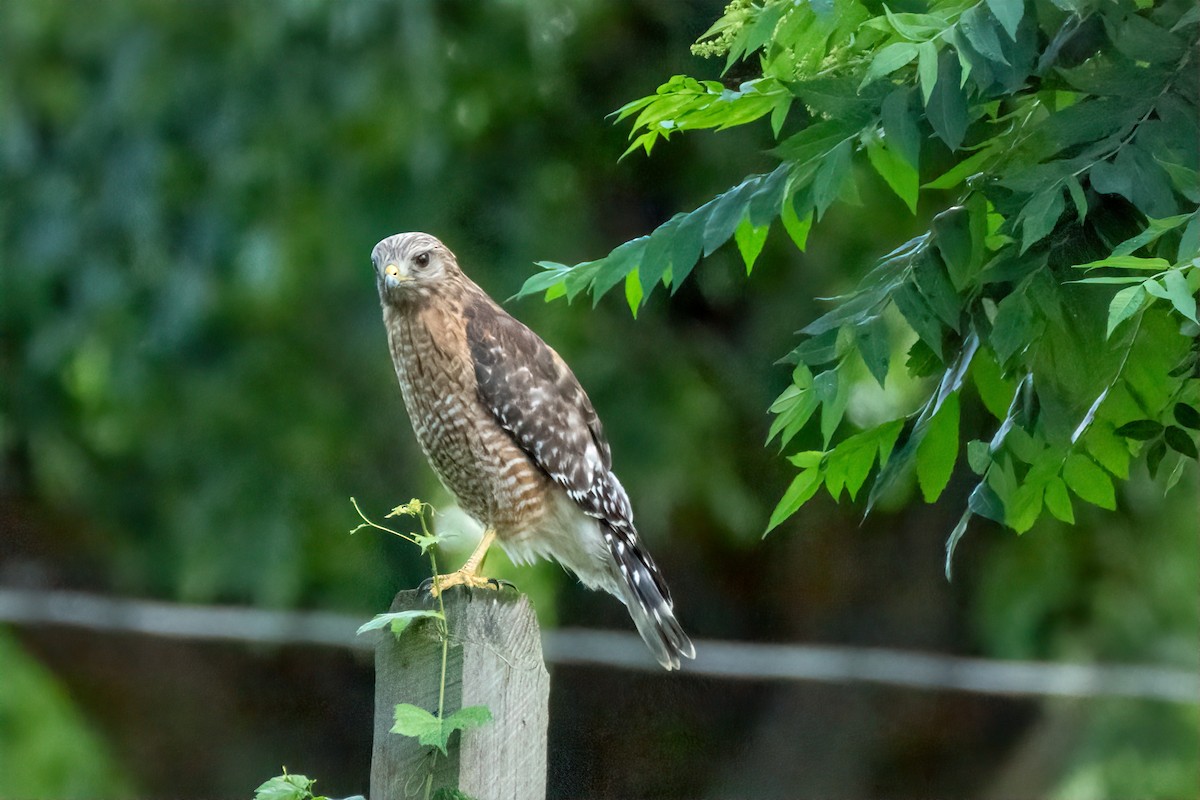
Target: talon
point(461, 578)
point(469, 574)
point(499, 583)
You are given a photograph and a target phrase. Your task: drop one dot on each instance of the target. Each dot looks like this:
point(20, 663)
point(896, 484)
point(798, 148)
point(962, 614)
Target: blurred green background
point(194, 380)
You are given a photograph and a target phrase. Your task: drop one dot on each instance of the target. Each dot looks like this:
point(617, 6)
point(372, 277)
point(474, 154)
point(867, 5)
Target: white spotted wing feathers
point(534, 396)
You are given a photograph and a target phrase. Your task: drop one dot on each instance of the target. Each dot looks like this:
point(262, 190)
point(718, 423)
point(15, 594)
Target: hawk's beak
point(393, 276)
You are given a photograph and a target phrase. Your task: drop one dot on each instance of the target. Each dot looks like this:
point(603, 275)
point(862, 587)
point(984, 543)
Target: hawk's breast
point(474, 457)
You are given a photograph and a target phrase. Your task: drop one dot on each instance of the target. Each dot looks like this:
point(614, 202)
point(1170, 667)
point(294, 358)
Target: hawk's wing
point(534, 396)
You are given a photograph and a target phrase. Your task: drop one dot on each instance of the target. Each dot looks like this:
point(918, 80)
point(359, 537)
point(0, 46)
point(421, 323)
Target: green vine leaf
point(287, 787)
point(431, 731)
point(398, 621)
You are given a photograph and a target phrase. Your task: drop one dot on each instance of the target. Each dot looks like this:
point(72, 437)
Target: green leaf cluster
point(1047, 140)
point(287, 787)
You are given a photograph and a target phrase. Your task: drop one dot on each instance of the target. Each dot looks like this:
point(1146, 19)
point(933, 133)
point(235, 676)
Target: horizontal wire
point(842, 664)
point(580, 647)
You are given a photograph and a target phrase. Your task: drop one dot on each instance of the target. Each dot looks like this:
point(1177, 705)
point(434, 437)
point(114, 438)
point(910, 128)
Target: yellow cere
point(392, 270)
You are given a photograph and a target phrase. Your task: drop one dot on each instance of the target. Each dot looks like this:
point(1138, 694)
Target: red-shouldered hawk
point(511, 433)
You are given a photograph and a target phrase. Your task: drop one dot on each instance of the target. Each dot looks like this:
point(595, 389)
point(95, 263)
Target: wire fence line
point(717, 659)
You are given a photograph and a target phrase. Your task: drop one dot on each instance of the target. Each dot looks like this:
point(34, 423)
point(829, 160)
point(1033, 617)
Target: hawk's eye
point(421, 260)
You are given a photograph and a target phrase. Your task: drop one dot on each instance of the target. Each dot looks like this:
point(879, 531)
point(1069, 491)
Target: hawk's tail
point(645, 594)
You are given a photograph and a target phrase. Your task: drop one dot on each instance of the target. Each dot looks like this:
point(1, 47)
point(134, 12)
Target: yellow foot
point(468, 575)
point(441, 583)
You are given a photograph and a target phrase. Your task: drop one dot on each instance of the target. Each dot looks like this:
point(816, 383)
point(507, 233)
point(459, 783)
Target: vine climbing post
point(488, 654)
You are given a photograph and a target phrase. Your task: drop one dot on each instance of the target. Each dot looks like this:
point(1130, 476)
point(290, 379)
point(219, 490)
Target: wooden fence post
point(495, 660)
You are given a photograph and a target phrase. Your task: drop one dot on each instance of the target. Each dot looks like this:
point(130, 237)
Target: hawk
point(512, 435)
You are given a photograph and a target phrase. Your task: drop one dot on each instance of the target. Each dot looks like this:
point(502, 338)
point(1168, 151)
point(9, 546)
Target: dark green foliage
point(1060, 141)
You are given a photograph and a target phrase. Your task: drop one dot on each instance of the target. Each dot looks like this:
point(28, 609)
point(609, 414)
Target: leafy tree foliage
point(1057, 143)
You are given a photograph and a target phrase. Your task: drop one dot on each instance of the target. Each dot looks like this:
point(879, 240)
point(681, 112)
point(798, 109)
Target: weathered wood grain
point(495, 660)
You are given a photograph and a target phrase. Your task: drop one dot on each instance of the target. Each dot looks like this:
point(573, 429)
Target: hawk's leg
point(468, 574)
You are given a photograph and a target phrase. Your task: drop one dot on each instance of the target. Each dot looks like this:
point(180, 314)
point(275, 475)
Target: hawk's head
point(407, 263)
